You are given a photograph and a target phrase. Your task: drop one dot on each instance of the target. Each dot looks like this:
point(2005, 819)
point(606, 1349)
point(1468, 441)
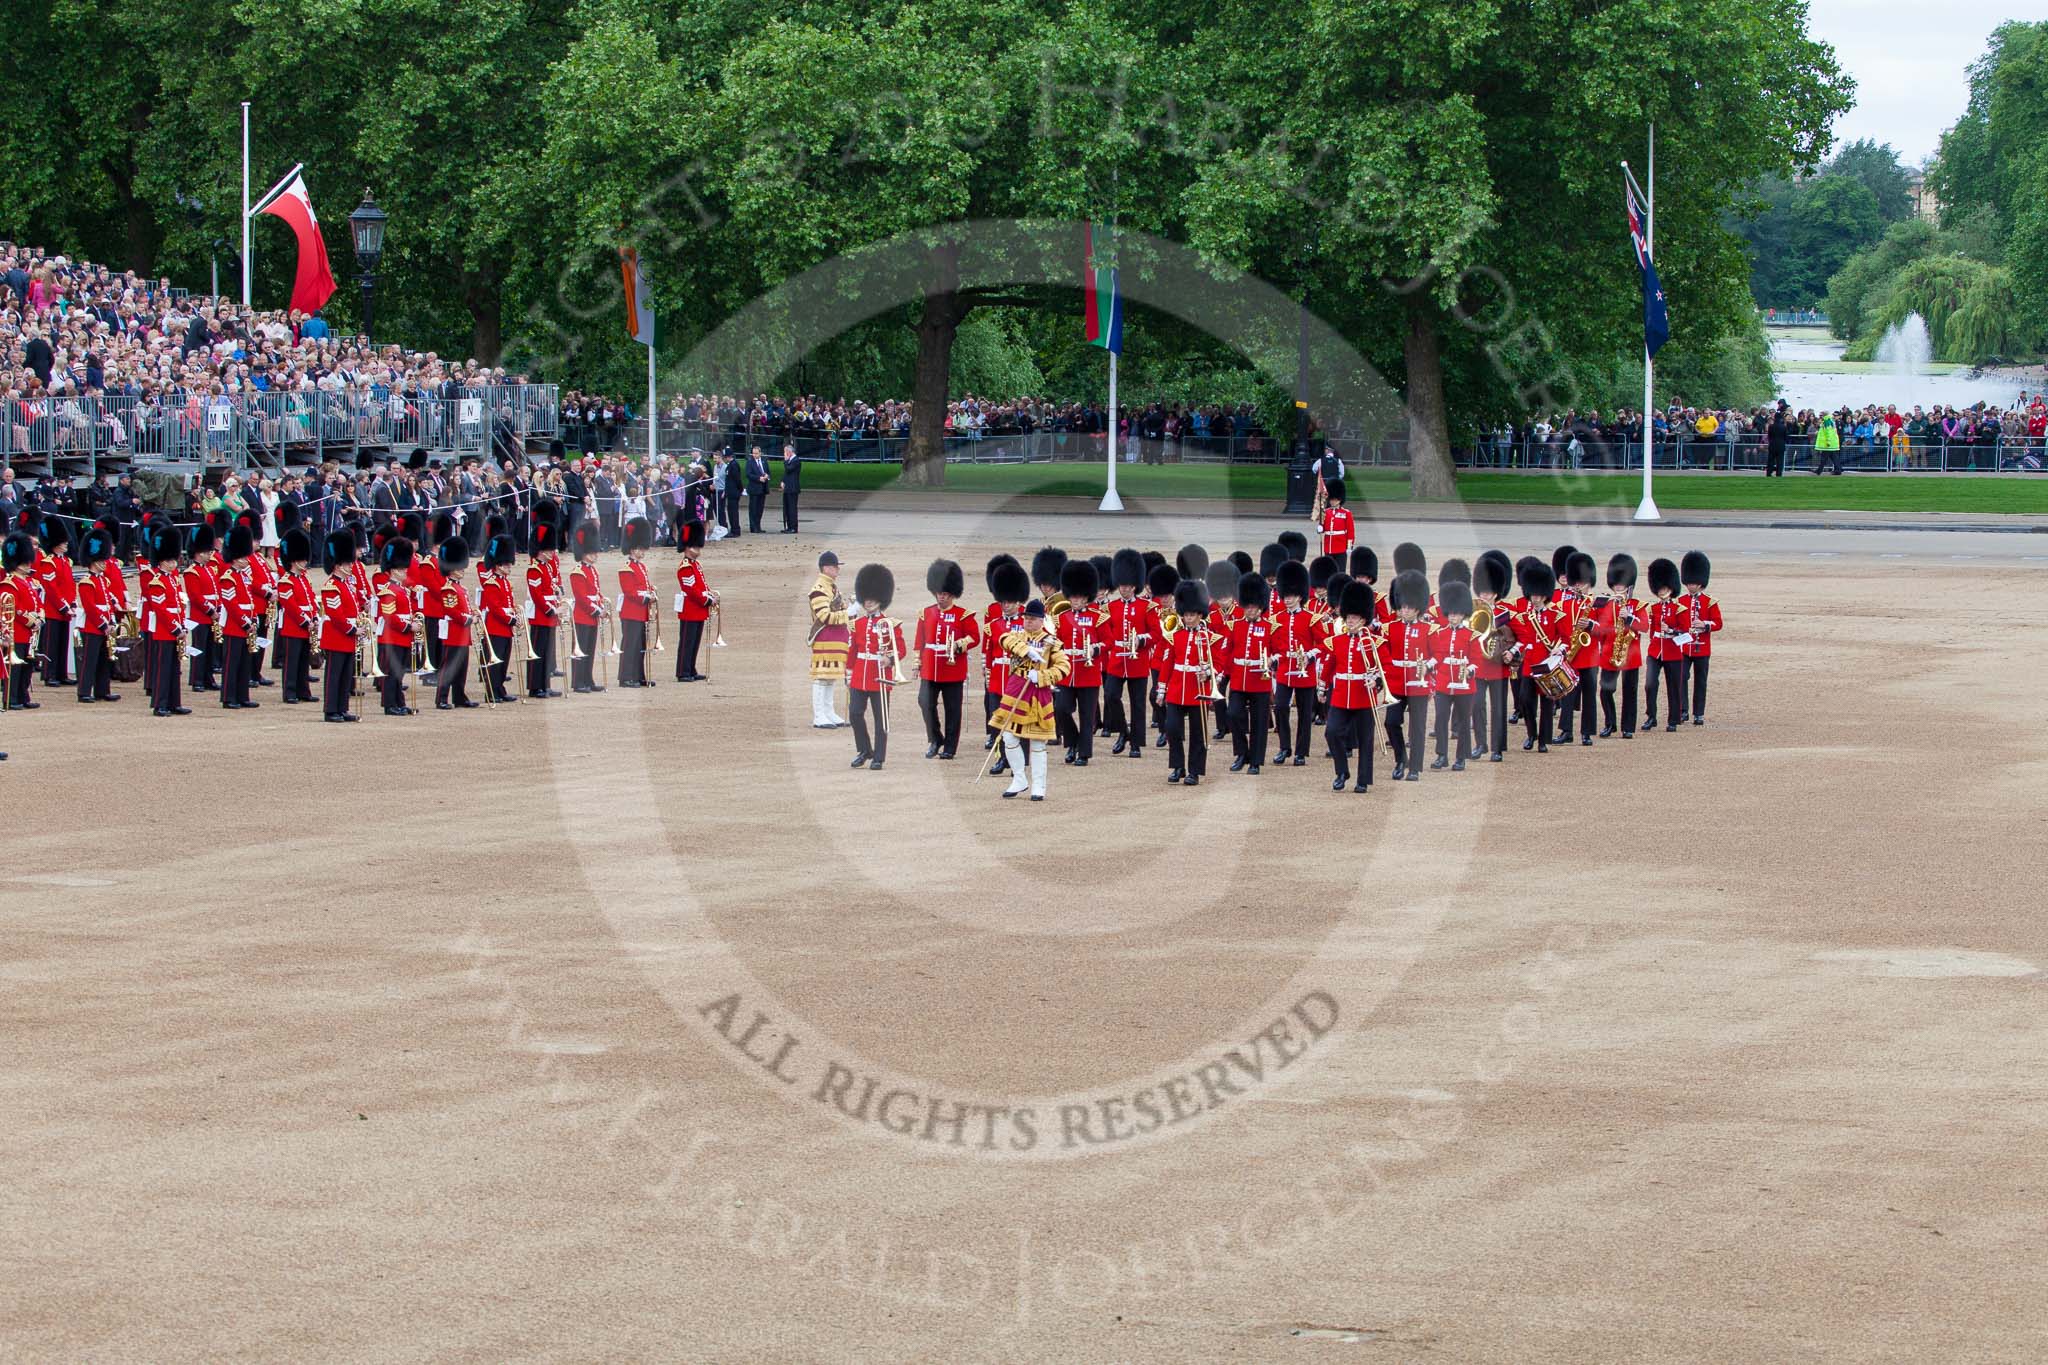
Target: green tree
point(1991, 155)
point(1835, 218)
point(1866, 277)
point(1973, 316)
point(1875, 165)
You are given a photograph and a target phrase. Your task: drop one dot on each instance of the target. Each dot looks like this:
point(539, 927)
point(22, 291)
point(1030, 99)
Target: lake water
point(1827, 389)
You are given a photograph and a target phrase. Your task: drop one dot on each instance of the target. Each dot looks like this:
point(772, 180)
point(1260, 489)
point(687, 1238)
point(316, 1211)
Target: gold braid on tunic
point(830, 636)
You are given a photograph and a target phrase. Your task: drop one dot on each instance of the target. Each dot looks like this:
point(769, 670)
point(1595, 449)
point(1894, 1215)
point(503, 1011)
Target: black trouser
point(17, 680)
point(202, 663)
point(55, 636)
point(1299, 704)
point(1697, 667)
point(1628, 680)
point(451, 680)
point(1111, 707)
point(632, 653)
point(1220, 712)
point(1454, 712)
point(1670, 675)
point(730, 513)
point(1493, 697)
point(497, 667)
point(1407, 718)
point(580, 675)
point(1582, 702)
point(1538, 712)
point(337, 682)
point(396, 661)
point(1348, 730)
point(930, 696)
point(1251, 715)
point(757, 495)
point(95, 667)
point(1074, 708)
point(234, 670)
point(788, 508)
point(1187, 739)
point(540, 669)
point(1130, 693)
point(433, 644)
point(161, 670)
point(296, 668)
point(873, 745)
point(692, 636)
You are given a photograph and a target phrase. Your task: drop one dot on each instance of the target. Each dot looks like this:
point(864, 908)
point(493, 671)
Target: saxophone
point(1624, 634)
point(1582, 634)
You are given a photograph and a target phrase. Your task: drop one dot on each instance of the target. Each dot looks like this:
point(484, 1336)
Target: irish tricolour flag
point(1102, 307)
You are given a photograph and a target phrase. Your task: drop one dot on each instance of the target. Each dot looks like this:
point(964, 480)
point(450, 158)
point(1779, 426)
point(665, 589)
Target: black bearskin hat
point(499, 551)
point(1192, 561)
point(546, 536)
point(1321, 570)
point(1241, 561)
point(1453, 571)
point(200, 541)
point(296, 547)
point(1153, 559)
point(1411, 589)
point(1694, 568)
point(1292, 580)
point(454, 554)
point(1334, 589)
point(1104, 579)
point(443, 526)
point(495, 525)
point(287, 515)
point(1295, 543)
point(1159, 581)
point(1190, 599)
point(165, 544)
point(1077, 580)
point(240, 544)
point(692, 536)
point(1254, 591)
point(638, 534)
point(54, 533)
point(1356, 600)
point(988, 574)
point(874, 583)
point(1271, 557)
point(1223, 582)
point(1127, 569)
point(1621, 571)
point(16, 553)
point(1538, 582)
point(341, 549)
point(1663, 577)
point(1007, 581)
point(1046, 566)
point(1454, 600)
point(1579, 571)
point(945, 576)
point(412, 526)
point(1364, 563)
point(95, 547)
point(1408, 558)
point(1560, 560)
point(398, 553)
point(584, 542)
point(1495, 574)
point(1333, 490)
point(547, 512)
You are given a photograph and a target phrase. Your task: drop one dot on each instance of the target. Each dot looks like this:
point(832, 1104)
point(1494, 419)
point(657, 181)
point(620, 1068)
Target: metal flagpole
point(1646, 510)
point(1110, 501)
point(653, 415)
point(245, 204)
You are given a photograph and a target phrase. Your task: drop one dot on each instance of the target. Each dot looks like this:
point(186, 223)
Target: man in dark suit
point(1774, 443)
point(605, 489)
point(757, 487)
point(38, 356)
point(574, 491)
point(732, 487)
point(792, 487)
point(126, 509)
point(383, 500)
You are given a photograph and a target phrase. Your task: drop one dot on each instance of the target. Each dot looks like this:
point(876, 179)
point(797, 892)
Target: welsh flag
point(1102, 307)
point(289, 200)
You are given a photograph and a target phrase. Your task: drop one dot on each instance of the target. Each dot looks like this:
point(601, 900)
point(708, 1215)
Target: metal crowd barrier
point(85, 437)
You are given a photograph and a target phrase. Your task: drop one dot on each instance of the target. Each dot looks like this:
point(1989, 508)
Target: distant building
point(1925, 206)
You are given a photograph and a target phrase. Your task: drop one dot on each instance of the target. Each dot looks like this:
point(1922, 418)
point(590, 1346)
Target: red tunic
point(543, 589)
point(1130, 635)
point(694, 593)
point(1181, 661)
point(1249, 645)
point(296, 606)
point(586, 590)
point(1541, 630)
point(501, 608)
point(455, 622)
point(1352, 671)
point(1080, 629)
point(1619, 613)
point(1298, 641)
point(1658, 617)
point(1339, 531)
point(202, 588)
point(944, 637)
point(1699, 616)
point(115, 585)
point(163, 604)
point(237, 601)
point(1405, 653)
point(339, 607)
point(994, 627)
point(426, 579)
point(635, 596)
point(865, 671)
point(1457, 660)
point(58, 582)
point(1492, 669)
point(394, 612)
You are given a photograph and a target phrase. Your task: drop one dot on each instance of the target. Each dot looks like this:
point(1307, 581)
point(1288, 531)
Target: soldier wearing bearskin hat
point(586, 604)
point(1698, 619)
point(1351, 684)
point(1035, 666)
point(98, 611)
point(393, 607)
point(1455, 653)
point(1336, 525)
point(1666, 660)
point(946, 635)
point(1491, 580)
point(1046, 567)
point(298, 611)
point(342, 607)
point(58, 584)
point(544, 596)
point(162, 590)
point(1130, 634)
point(1078, 700)
point(240, 622)
point(499, 602)
point(456, 627)
point(1160, 582)
point(260, 572)
point(202, 603)
point(1618, 626)
point(1297, 645)
point(694, 601)
point(426, 583)
point(1188, 678)
point(1224, 613)
point(1539, 625)
point(1247, 648)
point(635, 603)
point(1404, 653)
point(17, 582)
point(1009, 588)
point(1575, 713)
point(874, 663)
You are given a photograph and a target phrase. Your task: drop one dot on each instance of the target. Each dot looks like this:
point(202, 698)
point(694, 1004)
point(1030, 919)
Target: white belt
point(1353, 677)
point(871, 658)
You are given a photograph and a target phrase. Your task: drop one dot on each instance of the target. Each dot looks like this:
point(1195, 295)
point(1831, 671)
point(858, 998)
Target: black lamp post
point(366, 226)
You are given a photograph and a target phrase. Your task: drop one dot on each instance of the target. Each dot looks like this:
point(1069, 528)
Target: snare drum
point(1558, 683)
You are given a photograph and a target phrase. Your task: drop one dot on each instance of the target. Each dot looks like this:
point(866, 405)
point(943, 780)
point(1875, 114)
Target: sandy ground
point(534, 1032)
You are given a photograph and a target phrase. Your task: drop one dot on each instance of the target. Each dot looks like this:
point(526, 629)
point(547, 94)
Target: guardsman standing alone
point(694, 601)
point(1338, 528)
point(872, 665)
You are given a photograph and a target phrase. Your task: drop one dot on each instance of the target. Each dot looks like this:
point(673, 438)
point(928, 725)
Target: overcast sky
point(1908, 58)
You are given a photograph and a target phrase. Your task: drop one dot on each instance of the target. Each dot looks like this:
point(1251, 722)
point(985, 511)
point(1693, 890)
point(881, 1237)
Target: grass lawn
point(1696, 492)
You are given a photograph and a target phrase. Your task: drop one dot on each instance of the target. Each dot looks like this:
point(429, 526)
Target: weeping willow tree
point(1973, 314)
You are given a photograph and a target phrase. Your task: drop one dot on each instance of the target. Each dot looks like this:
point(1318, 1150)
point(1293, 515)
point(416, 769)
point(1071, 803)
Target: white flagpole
point(1646, 510)
point(1110, 501)
point(653, 414)
point(245, 204)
